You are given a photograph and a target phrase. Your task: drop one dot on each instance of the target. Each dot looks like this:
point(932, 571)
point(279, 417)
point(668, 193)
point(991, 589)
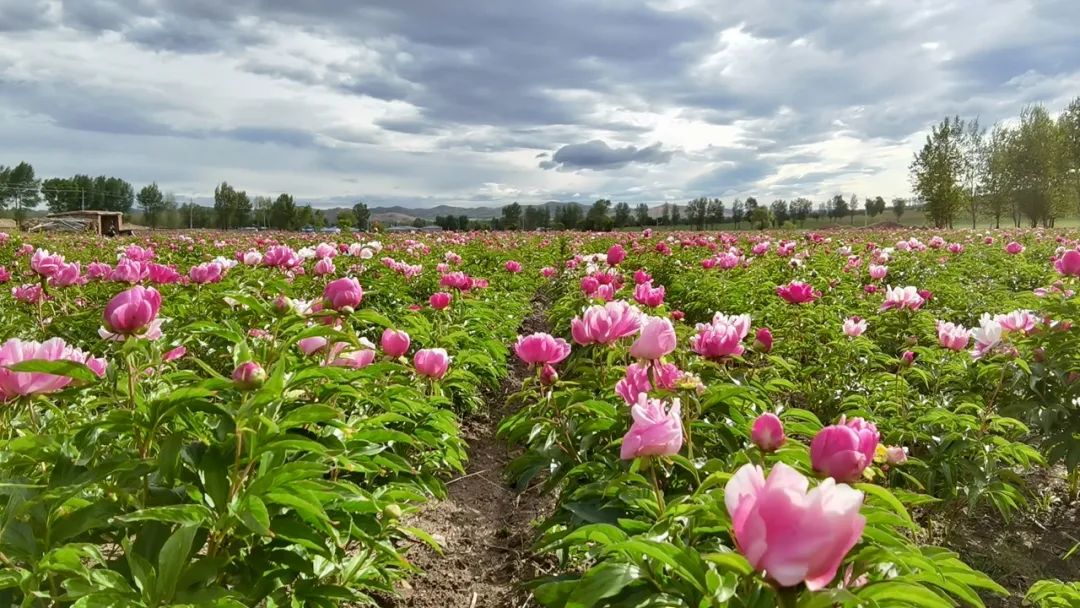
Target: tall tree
point(779, 210)
point(361, 216)
point(937, 172)
point(800, 209)
point(697, 212)
point(737, 212)
point(511, 217)
point(676, 215)
point(853, 206)
point(283, 213)
point(597, 217)
point(622, 215)
point(899, 205)
point(19, 188)
point(716, 212)
point(838, 206)
point(641, 215)
point(152, 203)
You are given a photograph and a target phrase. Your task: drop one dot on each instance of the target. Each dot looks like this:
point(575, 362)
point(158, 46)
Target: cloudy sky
point(474, 102)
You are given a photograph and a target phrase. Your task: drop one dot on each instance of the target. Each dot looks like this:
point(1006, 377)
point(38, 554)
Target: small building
point(8, 224)
point(107, 223)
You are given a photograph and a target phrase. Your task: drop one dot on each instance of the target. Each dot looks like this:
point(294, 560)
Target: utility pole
point(82, 194)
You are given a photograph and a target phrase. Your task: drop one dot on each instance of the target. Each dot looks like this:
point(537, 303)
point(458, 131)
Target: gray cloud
point(434, 101)
point(599, 156)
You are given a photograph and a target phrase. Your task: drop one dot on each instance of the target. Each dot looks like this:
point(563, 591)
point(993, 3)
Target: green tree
point(284, 214)
point(800, 209)
point(318, 220)
point(19, 188)
point(853, 206)
point(737, 211)
point(937, 172)
point(665, 217)
point(152, 202)
point(899, 205)
point(676, 215)
point(838, 206)
point(759, 217)
point(361, 216)
point(779, 210)
point(463, 222)
point(597, 217)
point(511, 216)
point(641, 215)
point(697, 212)
point(716, 212)
point(345, 222)
point(622, 215)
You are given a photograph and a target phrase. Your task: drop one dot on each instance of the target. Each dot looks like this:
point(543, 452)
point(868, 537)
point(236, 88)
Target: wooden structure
point(105, 223)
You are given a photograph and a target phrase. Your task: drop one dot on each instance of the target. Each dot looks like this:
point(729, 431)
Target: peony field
point(869, 417)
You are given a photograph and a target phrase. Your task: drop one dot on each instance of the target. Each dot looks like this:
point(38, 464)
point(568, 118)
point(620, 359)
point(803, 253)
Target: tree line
point(1026, 172)
point(21, 191)
point(702, 213)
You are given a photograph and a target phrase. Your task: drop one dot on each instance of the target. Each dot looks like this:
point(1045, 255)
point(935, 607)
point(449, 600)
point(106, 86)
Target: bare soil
point(484, 525)
point(1029, 547)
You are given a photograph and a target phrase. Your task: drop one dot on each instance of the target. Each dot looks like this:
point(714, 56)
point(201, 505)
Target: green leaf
point(900, 594)
point(600, 582)
point(255, 516)
point(188, 515)
point(172, 561)
point(59, 367)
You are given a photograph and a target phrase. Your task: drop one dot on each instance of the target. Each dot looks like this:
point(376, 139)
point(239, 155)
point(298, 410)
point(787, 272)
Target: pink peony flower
point(66, 275)
point(763, 340)
point(210, 272)
point(657, 339)
point(248, 376)
point(431, 362)
point(797, 292)
point(174, 354)
point(512, 266)
point(440, 300)
point(45, 263)
point(1014, 248)
point(647, 295)
point(854, 327)
point(654, 431)
point(22, 384)
point(987, 336)
point(722, 337)
point(606, 324)
point(767, 432)
point(344, 294)
point(324, 266)
point(28, 294)
point(878, 272)
point(134, 312)
point(394, 343)
point(792, 534)
point(902, 298)
point(615, 255)
point(541, 348)
point(953, 337)
point(842, 451)
point(636, 380)
point(1069, 263)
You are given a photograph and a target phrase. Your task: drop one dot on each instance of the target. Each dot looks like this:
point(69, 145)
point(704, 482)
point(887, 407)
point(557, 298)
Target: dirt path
point(483, 525)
